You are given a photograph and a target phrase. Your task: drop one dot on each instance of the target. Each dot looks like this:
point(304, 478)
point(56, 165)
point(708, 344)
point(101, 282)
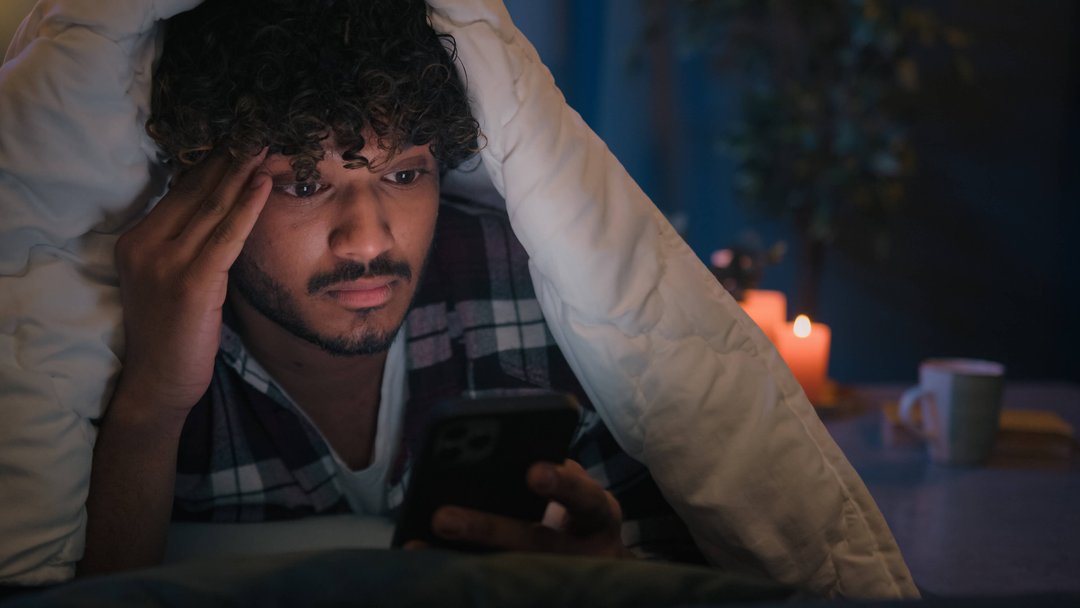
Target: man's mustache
point(381, 266)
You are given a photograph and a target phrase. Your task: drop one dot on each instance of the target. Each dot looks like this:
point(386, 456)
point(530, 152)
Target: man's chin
point(369, 343)
point(361, 333)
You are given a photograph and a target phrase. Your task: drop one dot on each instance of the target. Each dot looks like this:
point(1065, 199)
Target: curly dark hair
point(291, 74)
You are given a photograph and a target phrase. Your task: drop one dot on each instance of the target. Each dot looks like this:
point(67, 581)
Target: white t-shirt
point(365, 489)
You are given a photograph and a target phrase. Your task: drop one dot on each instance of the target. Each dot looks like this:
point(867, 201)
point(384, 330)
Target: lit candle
point(767, 308)
point(805, 348)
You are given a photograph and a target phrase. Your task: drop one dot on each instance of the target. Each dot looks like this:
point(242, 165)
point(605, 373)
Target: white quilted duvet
point(683, 378)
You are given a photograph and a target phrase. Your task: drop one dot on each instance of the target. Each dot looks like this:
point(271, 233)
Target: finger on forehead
point(216, 245)
point(219, 190)
point(218, 204)
point(185, 193)
point(234, 176)
point(199, 179)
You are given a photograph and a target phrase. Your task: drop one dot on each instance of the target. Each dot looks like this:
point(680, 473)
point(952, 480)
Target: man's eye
point(301, 189)
point(405, 177)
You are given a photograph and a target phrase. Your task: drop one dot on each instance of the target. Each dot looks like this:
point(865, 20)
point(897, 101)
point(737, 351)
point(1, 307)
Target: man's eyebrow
point(277, 165)
point(275, 170)
point(410, 155)
point(334, 154)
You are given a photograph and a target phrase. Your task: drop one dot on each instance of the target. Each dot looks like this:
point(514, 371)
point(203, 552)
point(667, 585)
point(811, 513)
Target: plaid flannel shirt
point(247, 454)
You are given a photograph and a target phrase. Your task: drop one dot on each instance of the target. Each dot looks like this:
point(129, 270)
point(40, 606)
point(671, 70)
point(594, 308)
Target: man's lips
point(363, 293)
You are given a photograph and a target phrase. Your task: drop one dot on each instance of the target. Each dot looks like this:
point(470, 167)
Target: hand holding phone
point(582, 518)
point(490, 468)
point(476, 453)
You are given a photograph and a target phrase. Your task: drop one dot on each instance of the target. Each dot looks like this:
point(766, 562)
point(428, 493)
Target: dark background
point(984, 263)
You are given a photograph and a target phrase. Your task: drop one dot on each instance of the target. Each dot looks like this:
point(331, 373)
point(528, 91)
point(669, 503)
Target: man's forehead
point(371, 152)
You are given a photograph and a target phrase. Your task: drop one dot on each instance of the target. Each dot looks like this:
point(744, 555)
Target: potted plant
point(826, 86)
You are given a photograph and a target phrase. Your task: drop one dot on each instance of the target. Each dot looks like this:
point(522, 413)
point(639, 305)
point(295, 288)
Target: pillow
point(75, 169)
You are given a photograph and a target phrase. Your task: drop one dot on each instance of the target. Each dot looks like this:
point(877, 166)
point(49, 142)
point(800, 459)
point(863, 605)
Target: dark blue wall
point(985, 263)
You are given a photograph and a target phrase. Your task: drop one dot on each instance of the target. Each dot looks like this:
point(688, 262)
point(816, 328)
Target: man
point(264, 294)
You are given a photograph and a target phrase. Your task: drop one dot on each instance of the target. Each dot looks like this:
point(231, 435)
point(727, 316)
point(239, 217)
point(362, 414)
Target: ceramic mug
point(960, 403)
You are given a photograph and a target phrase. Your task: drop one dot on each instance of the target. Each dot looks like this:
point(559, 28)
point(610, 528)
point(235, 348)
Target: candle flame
point(802, 326)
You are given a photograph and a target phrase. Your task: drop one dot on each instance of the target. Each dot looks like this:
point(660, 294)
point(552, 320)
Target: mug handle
point(912, 397)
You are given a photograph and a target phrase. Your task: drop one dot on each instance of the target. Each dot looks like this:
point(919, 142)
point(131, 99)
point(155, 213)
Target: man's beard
point(271, 299)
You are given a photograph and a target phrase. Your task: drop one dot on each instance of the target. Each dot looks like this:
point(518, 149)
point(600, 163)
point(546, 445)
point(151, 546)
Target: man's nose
point(361, 230)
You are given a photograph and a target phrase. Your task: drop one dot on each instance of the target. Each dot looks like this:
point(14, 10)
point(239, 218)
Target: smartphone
point(476, 453)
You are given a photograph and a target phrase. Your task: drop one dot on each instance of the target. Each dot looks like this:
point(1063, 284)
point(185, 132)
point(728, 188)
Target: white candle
point(767, 308)
point(805, 348)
